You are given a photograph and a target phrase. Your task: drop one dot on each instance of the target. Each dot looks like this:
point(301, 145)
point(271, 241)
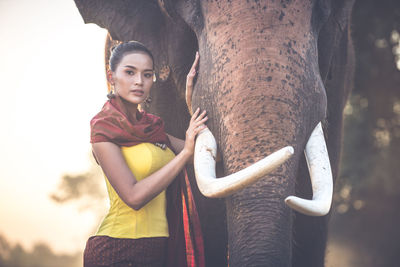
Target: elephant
point(269, 72)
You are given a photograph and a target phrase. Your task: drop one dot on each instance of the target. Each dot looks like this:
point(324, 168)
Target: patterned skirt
point(121, 252)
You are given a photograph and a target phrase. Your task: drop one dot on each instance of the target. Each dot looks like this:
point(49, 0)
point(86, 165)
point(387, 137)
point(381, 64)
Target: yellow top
point(151, 220)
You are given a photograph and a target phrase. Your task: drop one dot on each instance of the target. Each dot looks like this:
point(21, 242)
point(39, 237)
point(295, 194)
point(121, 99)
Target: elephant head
point(272, 74)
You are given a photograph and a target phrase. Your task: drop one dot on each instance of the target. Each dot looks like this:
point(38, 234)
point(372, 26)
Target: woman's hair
point(119, 51)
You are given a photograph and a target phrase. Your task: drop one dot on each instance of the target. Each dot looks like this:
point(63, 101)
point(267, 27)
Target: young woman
point(138, 162)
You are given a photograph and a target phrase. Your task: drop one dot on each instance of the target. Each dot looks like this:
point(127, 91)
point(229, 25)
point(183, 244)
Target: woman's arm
point(177, 144)
point(137, 194)
point(189, 83)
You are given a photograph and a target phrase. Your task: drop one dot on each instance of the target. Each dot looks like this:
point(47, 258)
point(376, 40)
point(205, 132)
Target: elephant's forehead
point(269, 15)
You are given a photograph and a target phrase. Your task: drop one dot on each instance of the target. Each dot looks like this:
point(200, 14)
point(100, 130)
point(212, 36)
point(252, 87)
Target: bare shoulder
point(101, 149)
point(108, 155)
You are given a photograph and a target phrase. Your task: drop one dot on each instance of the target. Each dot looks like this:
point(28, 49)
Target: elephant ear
point(139, 20)
point(333, 34)
point(336, 63)
point(187, 11)
point(172, 42)
point(123, 19)
point(152, 22)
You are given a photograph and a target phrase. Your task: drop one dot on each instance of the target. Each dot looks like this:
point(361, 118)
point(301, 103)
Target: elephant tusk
point(321, 177)
point(204, 167)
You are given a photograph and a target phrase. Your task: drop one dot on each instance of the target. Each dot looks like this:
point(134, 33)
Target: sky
point(52, 83)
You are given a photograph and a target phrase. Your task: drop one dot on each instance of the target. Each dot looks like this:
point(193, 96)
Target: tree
point(367, 217)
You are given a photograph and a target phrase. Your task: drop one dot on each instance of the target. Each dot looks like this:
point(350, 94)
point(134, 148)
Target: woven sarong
point(103, 251)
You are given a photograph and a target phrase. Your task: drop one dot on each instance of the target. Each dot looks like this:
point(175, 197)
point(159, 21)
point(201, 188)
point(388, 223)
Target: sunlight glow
point(53, 83)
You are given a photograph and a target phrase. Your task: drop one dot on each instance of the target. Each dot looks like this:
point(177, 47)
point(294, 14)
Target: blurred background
point(52, 195)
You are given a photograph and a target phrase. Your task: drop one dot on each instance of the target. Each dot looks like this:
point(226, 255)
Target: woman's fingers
point(197, 122)
point(193, 118)
point(202, 121)
point(201, 116)
point(189, 82)
point(199, 128)
point(192, 71)
point(199, 125)
point(195, 130)
point(196, 61)
point(196, 116)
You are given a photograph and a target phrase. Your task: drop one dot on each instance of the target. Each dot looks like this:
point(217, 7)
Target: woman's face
point(133, 77)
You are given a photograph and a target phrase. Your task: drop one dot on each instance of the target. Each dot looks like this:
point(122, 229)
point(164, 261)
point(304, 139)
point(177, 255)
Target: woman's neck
point(131, 109)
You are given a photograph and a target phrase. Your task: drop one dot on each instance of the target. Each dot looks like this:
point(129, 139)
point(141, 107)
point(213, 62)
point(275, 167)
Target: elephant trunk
point(262, 92)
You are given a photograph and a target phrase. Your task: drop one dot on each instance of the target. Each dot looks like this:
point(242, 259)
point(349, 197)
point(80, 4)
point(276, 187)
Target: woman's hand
point(196, 125)
point(189, 83)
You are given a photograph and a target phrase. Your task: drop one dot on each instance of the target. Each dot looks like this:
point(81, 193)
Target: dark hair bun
point(118, 52)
